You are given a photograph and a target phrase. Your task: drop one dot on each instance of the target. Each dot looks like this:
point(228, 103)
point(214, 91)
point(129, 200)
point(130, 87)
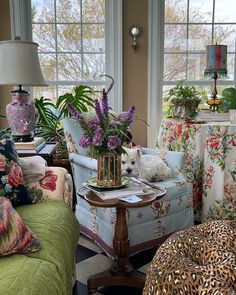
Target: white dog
point(149, 167)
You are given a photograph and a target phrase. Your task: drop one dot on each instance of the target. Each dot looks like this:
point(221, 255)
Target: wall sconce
point(135, 31)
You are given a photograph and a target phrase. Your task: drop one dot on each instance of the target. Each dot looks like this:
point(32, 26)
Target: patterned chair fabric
point(57, 184)
point(171, 213)
point(198, 260)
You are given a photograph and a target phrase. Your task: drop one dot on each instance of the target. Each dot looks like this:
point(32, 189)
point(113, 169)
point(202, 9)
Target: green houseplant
point(184, 100)
point(49, 123)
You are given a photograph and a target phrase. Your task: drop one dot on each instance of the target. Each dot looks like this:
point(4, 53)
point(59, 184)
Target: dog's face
point(130, 162)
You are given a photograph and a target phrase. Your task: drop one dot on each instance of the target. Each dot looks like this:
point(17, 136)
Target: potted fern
point(184, 101)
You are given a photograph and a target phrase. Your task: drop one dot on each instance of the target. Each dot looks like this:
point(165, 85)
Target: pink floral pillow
point(15, 236)
point(12, 184)
point(55, 185)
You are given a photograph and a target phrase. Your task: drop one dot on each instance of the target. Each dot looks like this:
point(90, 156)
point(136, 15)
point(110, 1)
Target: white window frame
point(155, 68)
point(156, 15)
point(20, 11)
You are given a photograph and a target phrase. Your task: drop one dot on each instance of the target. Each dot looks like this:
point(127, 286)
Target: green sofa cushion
point(48, 271)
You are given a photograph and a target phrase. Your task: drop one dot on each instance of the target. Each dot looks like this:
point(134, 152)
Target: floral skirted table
point(210, 164)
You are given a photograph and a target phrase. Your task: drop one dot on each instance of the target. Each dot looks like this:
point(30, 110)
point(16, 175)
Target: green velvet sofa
point(51, 270)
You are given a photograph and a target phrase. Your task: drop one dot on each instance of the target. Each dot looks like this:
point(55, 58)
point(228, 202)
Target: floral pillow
point(11, 177)
point(15, 236)
point(55, 185)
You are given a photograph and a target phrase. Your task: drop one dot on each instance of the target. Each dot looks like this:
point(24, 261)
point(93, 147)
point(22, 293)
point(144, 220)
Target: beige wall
point(5, 34)
point(134, 64)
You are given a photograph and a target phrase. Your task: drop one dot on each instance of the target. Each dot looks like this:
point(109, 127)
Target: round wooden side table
point(121, 272)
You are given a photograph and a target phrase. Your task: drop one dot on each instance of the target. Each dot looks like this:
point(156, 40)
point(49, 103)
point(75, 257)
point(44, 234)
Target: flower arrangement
point(106, 132)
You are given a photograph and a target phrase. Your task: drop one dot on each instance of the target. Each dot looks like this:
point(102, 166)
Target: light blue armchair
point(147, 225)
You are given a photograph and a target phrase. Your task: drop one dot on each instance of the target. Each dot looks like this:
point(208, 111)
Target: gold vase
point(109, 170)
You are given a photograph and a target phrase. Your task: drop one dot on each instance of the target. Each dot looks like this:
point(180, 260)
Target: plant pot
point(109, 170)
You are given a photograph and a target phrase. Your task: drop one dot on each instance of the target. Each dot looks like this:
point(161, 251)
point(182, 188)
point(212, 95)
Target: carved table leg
point(122, 272)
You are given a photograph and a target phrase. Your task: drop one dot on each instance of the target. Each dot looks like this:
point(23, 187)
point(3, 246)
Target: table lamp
point(216, 67)
point(19, 65)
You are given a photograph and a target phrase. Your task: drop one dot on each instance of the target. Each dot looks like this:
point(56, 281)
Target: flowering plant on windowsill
point(107, 131)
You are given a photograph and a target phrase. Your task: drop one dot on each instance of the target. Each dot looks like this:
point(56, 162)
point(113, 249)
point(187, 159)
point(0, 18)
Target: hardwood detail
point(121, 272)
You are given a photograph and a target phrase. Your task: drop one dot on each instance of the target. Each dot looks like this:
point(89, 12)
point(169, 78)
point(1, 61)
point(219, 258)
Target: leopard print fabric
point(200, 260)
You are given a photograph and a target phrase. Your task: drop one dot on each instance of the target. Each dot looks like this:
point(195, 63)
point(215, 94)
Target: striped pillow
point(15, 236)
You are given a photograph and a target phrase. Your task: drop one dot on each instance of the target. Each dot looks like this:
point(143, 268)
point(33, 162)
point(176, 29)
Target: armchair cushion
point(15, 236)
point(12, 184)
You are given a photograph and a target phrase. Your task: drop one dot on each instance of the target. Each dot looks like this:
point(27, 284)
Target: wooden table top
point(95, 200)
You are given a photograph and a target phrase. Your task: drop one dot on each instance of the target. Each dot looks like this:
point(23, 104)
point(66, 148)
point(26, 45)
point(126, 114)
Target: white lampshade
point(19, 64)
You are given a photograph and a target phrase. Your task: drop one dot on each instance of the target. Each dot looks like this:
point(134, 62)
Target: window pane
point(174, 67)
point(44, 35)
point(48, 65)
point(46, 92)
point(230, 66)
point(176, 11)
point(94, 38)
point(62, 89)
point(68, 11)
point(69, 67)
point(225, 11)
point(225, 34)
point(175, 38)
point(208, 90)
point(196, 66)
point(42, 11)
point(165, 105)
point(200, 11)
point(93, 66)
point(93, 11)
point(69, 38)
point(199, 37)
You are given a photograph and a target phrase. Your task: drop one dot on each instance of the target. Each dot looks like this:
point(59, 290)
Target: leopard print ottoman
point(199, 260)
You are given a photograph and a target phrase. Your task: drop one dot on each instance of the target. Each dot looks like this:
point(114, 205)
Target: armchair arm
point(55, 185)
point(83, 168)
point(84, 161)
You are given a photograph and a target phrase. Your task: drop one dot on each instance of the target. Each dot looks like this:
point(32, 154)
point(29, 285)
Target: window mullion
point(213, 25)
point(56, 46)
point(82, 41)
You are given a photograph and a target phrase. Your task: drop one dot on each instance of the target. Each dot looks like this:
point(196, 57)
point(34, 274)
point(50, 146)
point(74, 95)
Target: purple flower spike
point(76, 114)
point(98, 109)
point(98, 137)
point(131, 112)
point(105, 107)
point(85, 141)
point(113, 142)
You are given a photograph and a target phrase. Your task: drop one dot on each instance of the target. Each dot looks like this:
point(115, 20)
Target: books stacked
point(212, 117)
point(32, 147)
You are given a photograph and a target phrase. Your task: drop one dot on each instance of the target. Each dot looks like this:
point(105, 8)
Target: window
point(185, 28)
point(189, 26)
point(77, 42)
